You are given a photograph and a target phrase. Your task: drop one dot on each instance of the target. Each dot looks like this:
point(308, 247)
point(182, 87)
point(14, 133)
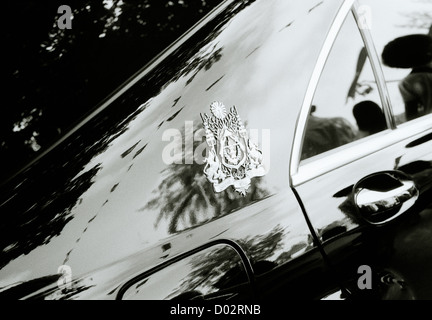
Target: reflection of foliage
point(36, 205)
point(188, 58)
point(208, 270)
point(205, 62)
point(78, 286)
point(222, 268)
point(46, 288)
point(185, 193)
point(324, 134)
point(418, 20)
point(262, 247)
point(33, 221)
point(23, 289)
point(364, 88)
point(361, 60)
point(348, 207)
point(56, 76)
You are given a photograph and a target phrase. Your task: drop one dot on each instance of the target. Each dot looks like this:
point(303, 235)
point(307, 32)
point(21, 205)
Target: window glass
point(402, 34)
point(347, 105)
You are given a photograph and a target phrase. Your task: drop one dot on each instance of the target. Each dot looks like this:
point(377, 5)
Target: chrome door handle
point(383, 196)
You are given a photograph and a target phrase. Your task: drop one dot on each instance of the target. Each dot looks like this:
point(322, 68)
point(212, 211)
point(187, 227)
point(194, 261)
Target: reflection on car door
point(368, 202)
point(214, 272)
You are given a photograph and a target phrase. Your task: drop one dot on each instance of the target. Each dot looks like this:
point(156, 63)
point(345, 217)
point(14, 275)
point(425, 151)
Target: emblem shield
point(233, 159)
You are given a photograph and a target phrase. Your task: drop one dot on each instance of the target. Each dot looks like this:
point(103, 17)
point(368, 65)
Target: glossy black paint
point(103, 201)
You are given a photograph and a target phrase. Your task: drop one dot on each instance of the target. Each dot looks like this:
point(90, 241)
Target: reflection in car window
point(217, 272)
point(346, 105)
point(402, 33)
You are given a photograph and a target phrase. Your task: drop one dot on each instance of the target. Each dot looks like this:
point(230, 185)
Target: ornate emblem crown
point(233, 159)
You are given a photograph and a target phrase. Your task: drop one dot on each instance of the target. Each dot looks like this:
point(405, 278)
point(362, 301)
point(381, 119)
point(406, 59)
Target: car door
point(363, 180)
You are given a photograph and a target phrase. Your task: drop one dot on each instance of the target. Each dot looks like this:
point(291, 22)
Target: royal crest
point(233, 159)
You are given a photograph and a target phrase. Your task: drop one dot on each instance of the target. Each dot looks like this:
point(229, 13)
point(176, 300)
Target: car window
point(346, 106)
point(401, 30)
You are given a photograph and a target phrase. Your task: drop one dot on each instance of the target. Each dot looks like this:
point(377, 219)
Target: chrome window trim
point(375, 61)
point(344, 155)
point(344, 10)
point(303, 171)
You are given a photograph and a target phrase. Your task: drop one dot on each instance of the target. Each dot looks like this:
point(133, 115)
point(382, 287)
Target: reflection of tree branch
point(205, 62)
point(262, 247)
point(222, 268)
point(417, 20)
point(207, 270)
point(179, 209)
point(203, 193)
point(57, 76)
point(359, 68)
point(185, 193)
point(33, 221)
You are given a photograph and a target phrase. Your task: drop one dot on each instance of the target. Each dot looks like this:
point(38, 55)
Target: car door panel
point(335, 213)
point(369, 200)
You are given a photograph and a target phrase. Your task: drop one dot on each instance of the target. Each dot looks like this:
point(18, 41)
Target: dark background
point(54, 77)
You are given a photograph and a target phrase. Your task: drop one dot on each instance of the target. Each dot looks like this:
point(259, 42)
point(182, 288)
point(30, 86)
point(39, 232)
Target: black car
point(267, 154)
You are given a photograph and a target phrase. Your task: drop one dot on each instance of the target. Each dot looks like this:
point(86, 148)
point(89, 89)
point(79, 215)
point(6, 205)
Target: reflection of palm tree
point(222, 268)
point(182, 194)
point(185, 195)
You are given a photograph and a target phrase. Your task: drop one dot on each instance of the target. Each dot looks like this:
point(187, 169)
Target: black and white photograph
point(218, 154)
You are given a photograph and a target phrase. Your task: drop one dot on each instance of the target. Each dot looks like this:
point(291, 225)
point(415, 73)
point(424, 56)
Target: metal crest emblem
point(233, 159)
